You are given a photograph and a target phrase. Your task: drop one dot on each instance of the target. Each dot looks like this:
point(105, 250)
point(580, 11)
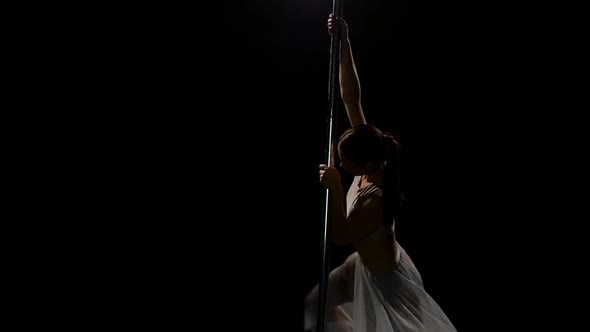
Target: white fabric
point(359, 300)
point(395, 301)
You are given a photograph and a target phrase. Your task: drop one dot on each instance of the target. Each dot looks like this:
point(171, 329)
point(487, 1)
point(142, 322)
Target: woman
point(379, 279)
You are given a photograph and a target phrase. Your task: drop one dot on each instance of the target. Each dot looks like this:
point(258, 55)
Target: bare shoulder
point(369, 198)
point(364, 216)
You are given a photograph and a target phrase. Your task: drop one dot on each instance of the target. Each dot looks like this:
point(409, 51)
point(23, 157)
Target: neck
point(375, 178)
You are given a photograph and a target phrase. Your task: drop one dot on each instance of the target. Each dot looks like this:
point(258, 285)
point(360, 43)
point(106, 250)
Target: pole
point(333, 96)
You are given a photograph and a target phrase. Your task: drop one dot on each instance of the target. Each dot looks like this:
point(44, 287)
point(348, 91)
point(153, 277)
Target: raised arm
point(350, 88)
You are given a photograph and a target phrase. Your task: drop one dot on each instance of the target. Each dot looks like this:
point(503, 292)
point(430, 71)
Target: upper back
point(378, 250)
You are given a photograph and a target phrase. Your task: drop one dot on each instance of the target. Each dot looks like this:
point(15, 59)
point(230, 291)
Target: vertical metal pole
point(332, 120)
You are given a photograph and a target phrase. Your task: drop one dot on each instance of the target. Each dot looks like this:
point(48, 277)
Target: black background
point(198, 131)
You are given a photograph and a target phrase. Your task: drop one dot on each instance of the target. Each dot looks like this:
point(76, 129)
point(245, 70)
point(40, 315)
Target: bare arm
point(350, 88)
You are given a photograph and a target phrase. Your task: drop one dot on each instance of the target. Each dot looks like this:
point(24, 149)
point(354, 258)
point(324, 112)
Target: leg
point(340, 290)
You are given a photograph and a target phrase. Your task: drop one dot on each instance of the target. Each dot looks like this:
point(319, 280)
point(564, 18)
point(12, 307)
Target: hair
point(365, 143)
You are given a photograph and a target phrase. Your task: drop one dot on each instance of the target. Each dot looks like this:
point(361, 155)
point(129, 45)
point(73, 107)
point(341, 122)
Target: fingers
point(330, 25)
point(323, 168)
point(333, 21)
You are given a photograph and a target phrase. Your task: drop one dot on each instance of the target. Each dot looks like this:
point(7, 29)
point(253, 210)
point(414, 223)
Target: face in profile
point(351, 167)
point(361, 150)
